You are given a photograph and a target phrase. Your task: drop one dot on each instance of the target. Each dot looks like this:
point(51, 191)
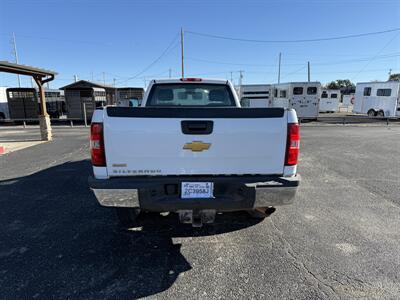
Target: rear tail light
point(293, 144)
point(191, 79)
point(97, 145)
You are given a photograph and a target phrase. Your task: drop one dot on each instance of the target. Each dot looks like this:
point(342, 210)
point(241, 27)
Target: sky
point(127, 43)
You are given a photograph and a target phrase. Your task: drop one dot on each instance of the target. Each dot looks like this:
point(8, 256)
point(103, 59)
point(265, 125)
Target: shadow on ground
point(56, 242)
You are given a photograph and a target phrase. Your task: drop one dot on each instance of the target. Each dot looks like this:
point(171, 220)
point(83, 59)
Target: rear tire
point(2, 116)
point(127, 216)
point(381, 114)
point(371, 113)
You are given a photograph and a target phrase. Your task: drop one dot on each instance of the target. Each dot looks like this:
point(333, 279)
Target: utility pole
point(75, 78)
point(240, 83)
point(231, 77)
point(390, 73)
point(16, 58)
point(104, 78)
point(182, 54)
point(308, 71)
point(115, 92)
point(169, 73)
point(279, 68)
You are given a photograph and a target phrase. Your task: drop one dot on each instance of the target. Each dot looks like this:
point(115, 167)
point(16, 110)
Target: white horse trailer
point(329, 101)
point(304, 97)
point(255, 95)
point(4, 112)
point(348, 100)
point(377, 99)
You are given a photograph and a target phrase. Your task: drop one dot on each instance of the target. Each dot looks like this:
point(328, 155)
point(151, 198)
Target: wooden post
point(42, 97)
point(44, 119)
point(84, 113)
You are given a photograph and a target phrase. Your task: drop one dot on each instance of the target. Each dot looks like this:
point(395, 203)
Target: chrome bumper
point(243, 193)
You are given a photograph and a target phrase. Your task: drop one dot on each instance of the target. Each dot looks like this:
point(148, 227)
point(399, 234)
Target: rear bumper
point(163, 193)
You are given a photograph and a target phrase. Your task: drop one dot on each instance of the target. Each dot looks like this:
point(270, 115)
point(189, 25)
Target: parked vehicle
point(348, 100)
point(255, 95)
point(330, 100)
point(55, 102)
point(377, 99)
point(191, 149)
point(24, 103)
point(83, 101)
point(303, 97)
point(4, 112)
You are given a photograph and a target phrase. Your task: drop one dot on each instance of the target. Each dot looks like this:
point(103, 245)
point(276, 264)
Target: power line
point(155, 61)
point(295, 71)
point(385, 56)
point(58, 39)
point(293, 41)
point(226, 63)
point(376, 55)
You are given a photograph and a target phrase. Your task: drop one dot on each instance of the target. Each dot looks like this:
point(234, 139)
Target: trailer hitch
point(197, 217)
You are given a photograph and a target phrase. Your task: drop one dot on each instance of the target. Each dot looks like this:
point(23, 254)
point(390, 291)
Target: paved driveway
point(340, 240)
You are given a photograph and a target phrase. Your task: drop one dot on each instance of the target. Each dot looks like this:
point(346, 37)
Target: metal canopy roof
point(86, 84)
point(9, 67)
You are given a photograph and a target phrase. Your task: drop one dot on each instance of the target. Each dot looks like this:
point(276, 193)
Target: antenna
point(16, 58)
point(182, 54)
point(279, 68)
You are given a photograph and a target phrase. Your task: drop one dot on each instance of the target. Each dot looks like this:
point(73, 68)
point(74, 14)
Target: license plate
point(191, 190)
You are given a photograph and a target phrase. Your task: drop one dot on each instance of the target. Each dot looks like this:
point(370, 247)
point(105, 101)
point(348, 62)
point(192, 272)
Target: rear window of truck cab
point(190, 94)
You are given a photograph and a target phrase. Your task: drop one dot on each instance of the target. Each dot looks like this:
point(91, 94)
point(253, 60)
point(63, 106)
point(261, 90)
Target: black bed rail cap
point(195, 112)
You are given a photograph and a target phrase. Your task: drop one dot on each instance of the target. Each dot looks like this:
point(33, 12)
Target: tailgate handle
point(197, 127)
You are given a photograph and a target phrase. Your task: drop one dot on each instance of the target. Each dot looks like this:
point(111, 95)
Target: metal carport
point(41, 76)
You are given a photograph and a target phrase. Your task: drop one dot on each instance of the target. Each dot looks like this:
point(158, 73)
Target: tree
point(340, 83)
point(395, 77)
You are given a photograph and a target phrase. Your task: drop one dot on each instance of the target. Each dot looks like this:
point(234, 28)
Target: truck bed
point(194, 141)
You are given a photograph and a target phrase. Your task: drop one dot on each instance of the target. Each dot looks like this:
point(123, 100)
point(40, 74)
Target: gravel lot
point(340, 240)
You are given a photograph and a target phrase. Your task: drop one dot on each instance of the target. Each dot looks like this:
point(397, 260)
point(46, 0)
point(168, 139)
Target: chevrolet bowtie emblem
point(197, 146)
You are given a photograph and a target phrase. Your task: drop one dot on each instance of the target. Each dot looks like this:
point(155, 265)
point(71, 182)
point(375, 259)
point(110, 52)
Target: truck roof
point(190, 80)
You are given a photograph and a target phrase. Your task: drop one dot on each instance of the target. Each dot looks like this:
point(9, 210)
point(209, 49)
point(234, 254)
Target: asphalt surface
point(340, 240)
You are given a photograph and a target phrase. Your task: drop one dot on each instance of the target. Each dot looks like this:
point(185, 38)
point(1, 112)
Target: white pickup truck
point(191, 149)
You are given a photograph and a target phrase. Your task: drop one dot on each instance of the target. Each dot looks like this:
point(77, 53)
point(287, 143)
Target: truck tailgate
point(151, 141)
